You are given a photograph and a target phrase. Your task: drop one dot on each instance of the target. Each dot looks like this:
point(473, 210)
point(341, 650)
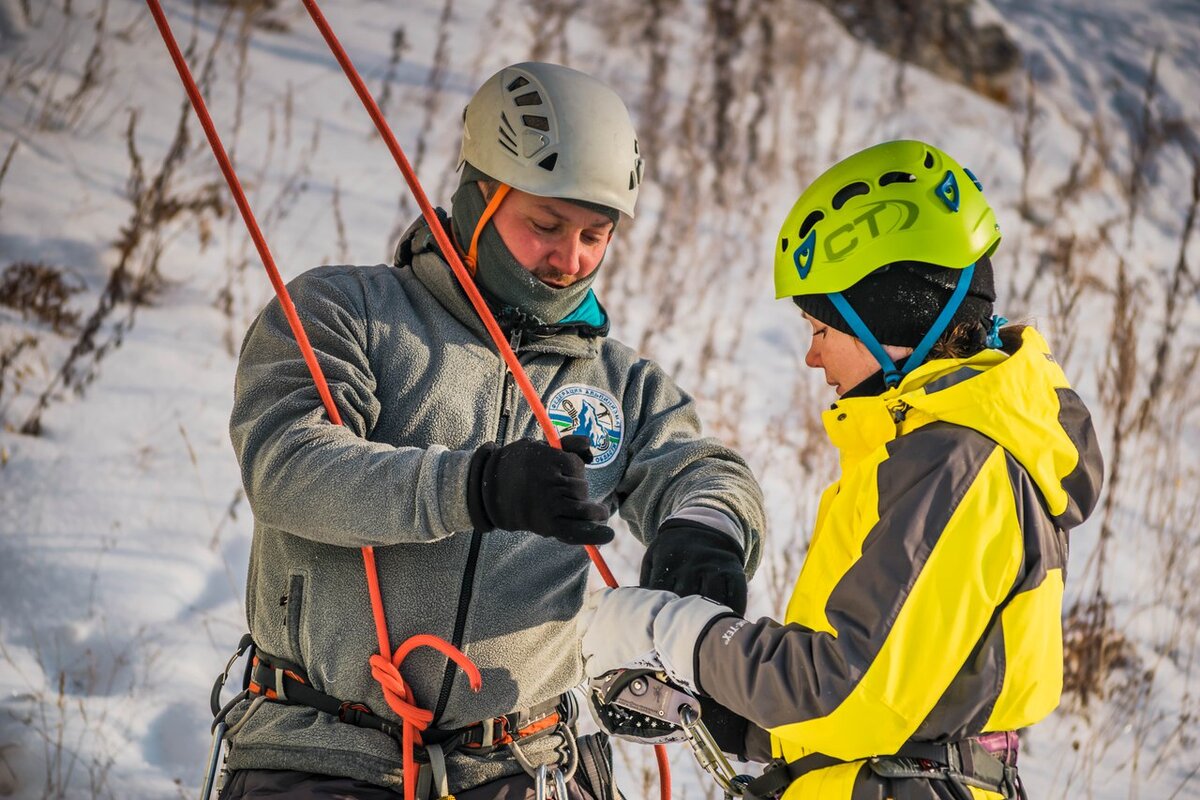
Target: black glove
point(531, 486)
point(692, 558)
point(727, 728)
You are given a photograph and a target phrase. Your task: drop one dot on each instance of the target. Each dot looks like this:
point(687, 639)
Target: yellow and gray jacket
point(419, 386)
point(929, 606)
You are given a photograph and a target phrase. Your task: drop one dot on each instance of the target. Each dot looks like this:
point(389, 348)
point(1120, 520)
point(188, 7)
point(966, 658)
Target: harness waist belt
point(988, 761)
point(280, 681)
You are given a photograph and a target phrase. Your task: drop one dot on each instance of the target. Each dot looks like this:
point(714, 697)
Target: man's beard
point(553, 278)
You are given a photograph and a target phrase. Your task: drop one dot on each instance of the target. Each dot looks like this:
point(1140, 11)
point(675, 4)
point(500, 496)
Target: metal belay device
point(642, 705)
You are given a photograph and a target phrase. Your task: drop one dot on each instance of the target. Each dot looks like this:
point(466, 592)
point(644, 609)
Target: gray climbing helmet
point(554, 132)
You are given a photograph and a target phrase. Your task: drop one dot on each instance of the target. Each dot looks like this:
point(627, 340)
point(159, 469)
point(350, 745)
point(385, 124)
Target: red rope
point(395, 691)
point(468, 285)
point(386, 671)
point(451, 254)
point(243, 205)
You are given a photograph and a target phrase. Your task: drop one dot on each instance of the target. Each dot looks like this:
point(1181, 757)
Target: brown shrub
point(40, 291)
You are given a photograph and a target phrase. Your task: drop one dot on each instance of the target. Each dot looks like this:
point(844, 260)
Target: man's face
point(556, 240)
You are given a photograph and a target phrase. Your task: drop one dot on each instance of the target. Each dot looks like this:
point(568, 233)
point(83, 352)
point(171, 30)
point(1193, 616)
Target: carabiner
point(709, 754)
point(541, 783)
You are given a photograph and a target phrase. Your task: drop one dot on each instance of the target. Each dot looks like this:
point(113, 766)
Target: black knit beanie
point(900, 302)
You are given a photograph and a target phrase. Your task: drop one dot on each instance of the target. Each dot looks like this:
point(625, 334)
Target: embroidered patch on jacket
point(587, 411)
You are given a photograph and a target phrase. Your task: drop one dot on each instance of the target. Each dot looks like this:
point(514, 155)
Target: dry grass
point(8, 157)
point(1100, 661)
point(135, 280)
point(40, 292)
point(711, 134)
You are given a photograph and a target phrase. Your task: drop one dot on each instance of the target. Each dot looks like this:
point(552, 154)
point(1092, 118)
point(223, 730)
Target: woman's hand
point(648, 629)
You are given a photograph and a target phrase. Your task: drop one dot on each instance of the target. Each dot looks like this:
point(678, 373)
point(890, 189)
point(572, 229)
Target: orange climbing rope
point(385, 665)
point(384, 669)
point(448, 250)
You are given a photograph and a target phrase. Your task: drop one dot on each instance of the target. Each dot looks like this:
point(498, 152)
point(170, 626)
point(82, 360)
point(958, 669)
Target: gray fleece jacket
point(419, 386)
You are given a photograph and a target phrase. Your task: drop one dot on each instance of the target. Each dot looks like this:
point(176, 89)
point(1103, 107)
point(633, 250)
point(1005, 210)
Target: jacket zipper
point(468, 582)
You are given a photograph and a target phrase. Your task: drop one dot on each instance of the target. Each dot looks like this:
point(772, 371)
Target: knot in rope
point(397, 695)
point(386, 673)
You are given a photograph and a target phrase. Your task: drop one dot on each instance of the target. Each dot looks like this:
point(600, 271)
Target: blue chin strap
point(891, 374)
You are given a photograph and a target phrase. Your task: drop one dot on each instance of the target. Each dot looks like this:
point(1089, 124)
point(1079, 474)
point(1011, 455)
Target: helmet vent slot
point(517, 83)
point(507, 138)
point(534, 121)
point(809, 221)
point(528, 99)
point(783, 244)
point(548, 162)
point(888, 178)
point(507, 124)
point(928, 160)
point(849, 191)
point(508, 147)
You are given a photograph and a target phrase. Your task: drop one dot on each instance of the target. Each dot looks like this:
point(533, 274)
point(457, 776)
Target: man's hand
point(690, 557)
point(531, 486)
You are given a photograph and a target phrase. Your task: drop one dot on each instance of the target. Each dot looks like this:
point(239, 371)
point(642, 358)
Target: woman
point(925, 625)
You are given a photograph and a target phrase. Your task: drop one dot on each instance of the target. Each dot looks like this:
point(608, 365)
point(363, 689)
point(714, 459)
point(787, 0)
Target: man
point(475, 522)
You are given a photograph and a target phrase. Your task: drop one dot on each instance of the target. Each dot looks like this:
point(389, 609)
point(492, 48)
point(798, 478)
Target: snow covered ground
point(123, 531)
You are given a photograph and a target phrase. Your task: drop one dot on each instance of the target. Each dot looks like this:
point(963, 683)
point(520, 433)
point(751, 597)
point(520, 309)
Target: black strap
point(961, 759)
point(781, 774)
point(284, 682)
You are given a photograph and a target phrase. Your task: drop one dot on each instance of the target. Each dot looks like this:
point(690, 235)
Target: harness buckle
point(351, 713)
point(542, 774)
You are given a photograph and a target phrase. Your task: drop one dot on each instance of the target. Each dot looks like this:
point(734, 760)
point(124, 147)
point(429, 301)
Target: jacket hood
point(1023, 402)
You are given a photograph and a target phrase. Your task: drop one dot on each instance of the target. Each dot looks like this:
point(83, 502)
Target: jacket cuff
point(452, 491)
point(678, 630)
point(717, 520)
point(758, 744)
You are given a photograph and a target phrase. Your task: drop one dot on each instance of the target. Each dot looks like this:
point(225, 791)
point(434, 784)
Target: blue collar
point(587, 312)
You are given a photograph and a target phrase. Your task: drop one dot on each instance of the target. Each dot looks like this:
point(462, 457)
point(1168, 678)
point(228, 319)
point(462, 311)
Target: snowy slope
point(123, 531)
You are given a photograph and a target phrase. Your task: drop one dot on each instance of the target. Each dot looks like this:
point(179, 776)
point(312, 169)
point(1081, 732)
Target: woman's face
point(845, 360)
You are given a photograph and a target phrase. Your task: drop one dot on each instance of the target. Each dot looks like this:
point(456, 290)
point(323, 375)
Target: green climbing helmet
point(897, 201)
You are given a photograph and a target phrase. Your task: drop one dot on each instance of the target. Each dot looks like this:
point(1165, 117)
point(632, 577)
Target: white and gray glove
point(646, 629)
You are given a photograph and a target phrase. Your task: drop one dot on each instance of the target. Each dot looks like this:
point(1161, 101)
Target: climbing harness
point(549, 780)
point(277, 680)
point(271, 679)
point(988, 762)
